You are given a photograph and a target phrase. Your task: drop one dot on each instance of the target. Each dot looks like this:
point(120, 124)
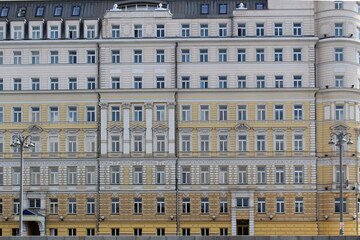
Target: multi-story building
point(179, 117)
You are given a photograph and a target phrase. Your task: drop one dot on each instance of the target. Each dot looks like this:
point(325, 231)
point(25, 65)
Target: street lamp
point(19, 143)
point(341, 138)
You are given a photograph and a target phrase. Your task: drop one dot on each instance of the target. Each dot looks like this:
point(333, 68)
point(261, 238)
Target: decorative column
point(103, 124)
point(126, 107)
point(148, 133)
point(171, 107)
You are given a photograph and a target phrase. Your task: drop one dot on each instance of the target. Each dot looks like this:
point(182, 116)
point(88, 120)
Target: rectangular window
point(280, 174)
point(279, 112)
point(54, 57)
point(91, 83)
point(299, 205)
point(160, 82)
point(35, 57)
point(223, 143)
point(260, 29)
point(222, 55)
point(160, 113)
point(72, 175)
point(160, 55)
point(160, 232)
point(242, 143)
point(72, 231)
point(54, 32)
point(90, 114)
point(91, 56)
point(204, 143)
point(298, 112)
point(72, 32)
point(298, 142)
point(72, 83)
point(115, 113)
point(16, 206)
point(138, 82)
point(138, 175)
point(222, 82)
point(279, 81)
point(241, 55)
point(115, 175)
point(137, 56)
point(278, 55)
point(76, 11)
point(260, 81)
point(223, 112)
point(241, 81)
point(204, 205)
point(35, 114)
point(137, 231)
point(90, 175)
point(241, 29)
point(280, 205)
point(115, 56)
point(72, 57)
point(185, 82)
point(17, 34)
point(204, 113)
point(242, 175)
point(204, 9)
point(204, 175)
point(17, 84)
point(1, 57)
point(223, 205)
point(261, 112)
point(138, 144)
point(35, 175)
point(4, 12)
point(261, 206)
point(278, 29)
point(261, 175)
point(223, 175)
point(90, 206)
point(160, 143)
point(279, 143)
point(222, 30)
point(339, 57)
point(138, 31)
point(337, 180)
point(297, 81)
point(17, 57)
point(72, 114)
point(297, 30)
point(54, 205)
point(185, 30)
point(137, 206)
point(72, 206)
point(242, 202)
point(115, 82)
point(339, 81)
point(16, 176)
point(115, 206)
point(204, 83)
point(298, 174)
point(186, 175)
point(138, 114)
point(260, 55)
point(297, 52)
point(339, 5)
point(115, 31)
point(35, 32)
point(337, 205)
point(53, 175)
point(115, 143)
point(160, 205)
point(17, 114)
point(185, 143)
point(204, 57)
point(160, 175)
point(185, 113)
point(34, 203)
point(90, 31)
point(2, 33)
point(204, 30)
point(339, 112)
point(185, 55)
point(115, 232)
point(160, 30)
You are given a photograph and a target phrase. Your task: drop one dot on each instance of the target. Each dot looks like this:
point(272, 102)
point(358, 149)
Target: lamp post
point(341, 138)
point(19, 143)
point(357, 207)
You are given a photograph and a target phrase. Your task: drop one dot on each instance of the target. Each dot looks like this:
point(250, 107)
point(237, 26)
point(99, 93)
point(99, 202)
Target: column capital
point(103, 105)
point(171, 105)
point(126, 105)
point(149, 105)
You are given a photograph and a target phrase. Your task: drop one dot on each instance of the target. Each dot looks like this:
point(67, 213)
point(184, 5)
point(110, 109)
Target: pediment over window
point(185, 130)
point(160, 129)
point(137, 128)
point(114, 129)
point(34, 129)
point(340, 127)
point(242, 127)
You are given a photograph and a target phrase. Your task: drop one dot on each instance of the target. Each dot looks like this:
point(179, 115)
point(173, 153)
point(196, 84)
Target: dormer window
point(4, 12)
point(204, 9)
point(223, 9)
point(58, 11)
point(21, 12)
point(39, 12)
point(76, 11)
point(259, 6)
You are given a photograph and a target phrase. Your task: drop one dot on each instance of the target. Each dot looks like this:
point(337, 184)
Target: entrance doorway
point(242, 227)
point(33, 229)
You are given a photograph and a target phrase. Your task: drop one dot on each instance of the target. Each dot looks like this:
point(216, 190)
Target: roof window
point(39, 12)
point(76, 11)
point(4, 12)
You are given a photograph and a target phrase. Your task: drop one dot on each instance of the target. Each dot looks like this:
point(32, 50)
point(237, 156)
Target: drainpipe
point(98, 139)
point(176, 143)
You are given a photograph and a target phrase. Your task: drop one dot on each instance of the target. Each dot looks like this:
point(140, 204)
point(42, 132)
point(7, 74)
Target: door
point(242, 227)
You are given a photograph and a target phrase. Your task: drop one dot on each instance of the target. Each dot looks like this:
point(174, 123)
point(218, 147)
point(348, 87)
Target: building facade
point(179, 117)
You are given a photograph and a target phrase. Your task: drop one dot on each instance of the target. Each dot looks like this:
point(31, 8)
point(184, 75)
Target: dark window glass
point(76, 11)
point(58, 11)
point(204, 9)
point(223, 8)
point(4, 12)
point(39, 12)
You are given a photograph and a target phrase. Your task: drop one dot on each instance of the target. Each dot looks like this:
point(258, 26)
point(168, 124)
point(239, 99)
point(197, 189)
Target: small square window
point(223, 9)
point(39, 12)
point(58, 11)
point(4, 12)
point(204, 9)
point(76, 11)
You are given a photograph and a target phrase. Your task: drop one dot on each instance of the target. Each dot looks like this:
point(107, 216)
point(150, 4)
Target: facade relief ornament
point(103, 105)
point(160, 129)
point(148, 105)
point(138, 129)
point(171, 105)
point(340, 128)
point(114, 129)
point(34, 129)
point(185, 130)
point(126, 105)
point(242, 127)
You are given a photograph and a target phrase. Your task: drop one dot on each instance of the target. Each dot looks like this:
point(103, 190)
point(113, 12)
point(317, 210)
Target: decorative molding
point(126, 105)
point(204, 130)
point(149, 105)
point(242, 127)
point(160, 129)
point(34, 129)
point(186, 130)
point(340, 128)
point(114, 129)
point(72, 131)
point(137, 129)
point(223, 130)
point(53, 131)
point(103, 105)
point(279, 129)
point(171, 105)
point(260, 130)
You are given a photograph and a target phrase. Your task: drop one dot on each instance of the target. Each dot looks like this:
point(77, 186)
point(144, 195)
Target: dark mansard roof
point(90, 9)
